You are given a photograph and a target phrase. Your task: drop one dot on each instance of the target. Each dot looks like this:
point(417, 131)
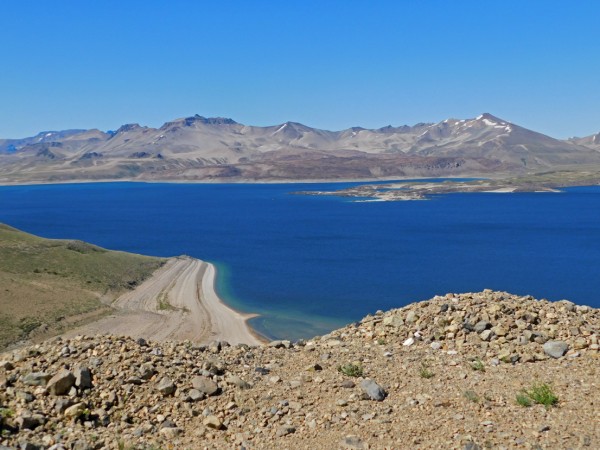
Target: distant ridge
point(221, 149)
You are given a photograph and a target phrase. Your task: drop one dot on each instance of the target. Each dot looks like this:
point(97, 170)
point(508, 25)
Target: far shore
point(244, 181)
point(178, 302)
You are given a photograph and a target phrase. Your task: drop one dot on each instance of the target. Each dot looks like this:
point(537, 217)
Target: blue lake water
point(310, 264)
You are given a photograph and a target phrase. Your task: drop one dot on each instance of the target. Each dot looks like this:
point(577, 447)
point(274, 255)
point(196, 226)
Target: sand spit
point(178, 302)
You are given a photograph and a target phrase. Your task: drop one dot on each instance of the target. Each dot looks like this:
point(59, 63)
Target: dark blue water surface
point(309, 264)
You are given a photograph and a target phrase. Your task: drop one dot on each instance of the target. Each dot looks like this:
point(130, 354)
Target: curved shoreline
point(177, 302)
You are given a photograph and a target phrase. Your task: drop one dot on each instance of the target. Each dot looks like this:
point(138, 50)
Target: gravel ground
point(444, 373)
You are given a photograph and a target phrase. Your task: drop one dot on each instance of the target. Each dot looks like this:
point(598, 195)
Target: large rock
point(205, 385)
point(61, 383)
point(556, 349)
point(373, 390)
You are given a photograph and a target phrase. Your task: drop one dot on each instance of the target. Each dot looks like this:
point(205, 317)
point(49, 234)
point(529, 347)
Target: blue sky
point(328, 64)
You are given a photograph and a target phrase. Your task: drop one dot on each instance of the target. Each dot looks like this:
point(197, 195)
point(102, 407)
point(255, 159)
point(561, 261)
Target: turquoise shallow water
point(310, 264)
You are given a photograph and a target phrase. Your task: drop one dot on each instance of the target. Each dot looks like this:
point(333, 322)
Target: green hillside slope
point(47, 285)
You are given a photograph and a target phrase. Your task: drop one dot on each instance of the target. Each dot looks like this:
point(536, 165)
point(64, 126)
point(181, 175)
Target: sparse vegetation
point(351, 370)
point(471, 396)
point(425, 372)
point(5, 413)
point(523, 400)
point(540, 393)
point(163, 303)
point(478, 365)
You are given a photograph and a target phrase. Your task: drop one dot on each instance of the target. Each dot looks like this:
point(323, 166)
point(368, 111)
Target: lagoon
point(310, 264)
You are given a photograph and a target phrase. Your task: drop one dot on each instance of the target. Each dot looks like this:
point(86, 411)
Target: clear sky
point(326, 63)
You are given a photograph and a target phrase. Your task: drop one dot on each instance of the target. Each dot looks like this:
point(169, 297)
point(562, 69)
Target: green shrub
point(478, 365)
point(424, 372)
point(351, 370)
point(540, 393)
point(471, 396)
point(523, 400)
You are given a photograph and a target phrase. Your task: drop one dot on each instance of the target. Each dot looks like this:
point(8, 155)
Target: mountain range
point(220, 149)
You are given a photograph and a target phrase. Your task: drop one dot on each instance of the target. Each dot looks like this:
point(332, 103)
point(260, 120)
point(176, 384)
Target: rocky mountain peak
point(128, 127)
point(208, 120)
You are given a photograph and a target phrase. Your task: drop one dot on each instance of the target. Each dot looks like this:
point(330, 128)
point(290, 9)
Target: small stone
point(436, 345)
point(195, 395)
point(296, 406)
point(347, 384)
point(471, 446)
point(166, 386)
point(25, 396)
point(481, 326)
point(213, 421)
point(170, 432)
point(486, 335)
point(205, 385)
point(214, 347)
point(6, 365)
point(580, 343)
point(410, 341)
point(393, 321)
point(62, 404)
point(411, 317)
point(500, 330)
point(133, 380)
point(83, 378)
point(28, 446)
point(147, 371)
point(352, 442)
point(36, 379)
point(285, 430)
point(555, 349)
point(61, 383)
point(75, 411)
point(373, 390)
point(238, 382)
point(276, 344)
point(27, 422)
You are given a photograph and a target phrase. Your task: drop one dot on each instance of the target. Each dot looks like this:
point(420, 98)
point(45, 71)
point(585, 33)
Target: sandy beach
point(178, 302)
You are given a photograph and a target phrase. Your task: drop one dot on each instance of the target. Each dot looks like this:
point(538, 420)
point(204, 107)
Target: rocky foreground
point(443, 373)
